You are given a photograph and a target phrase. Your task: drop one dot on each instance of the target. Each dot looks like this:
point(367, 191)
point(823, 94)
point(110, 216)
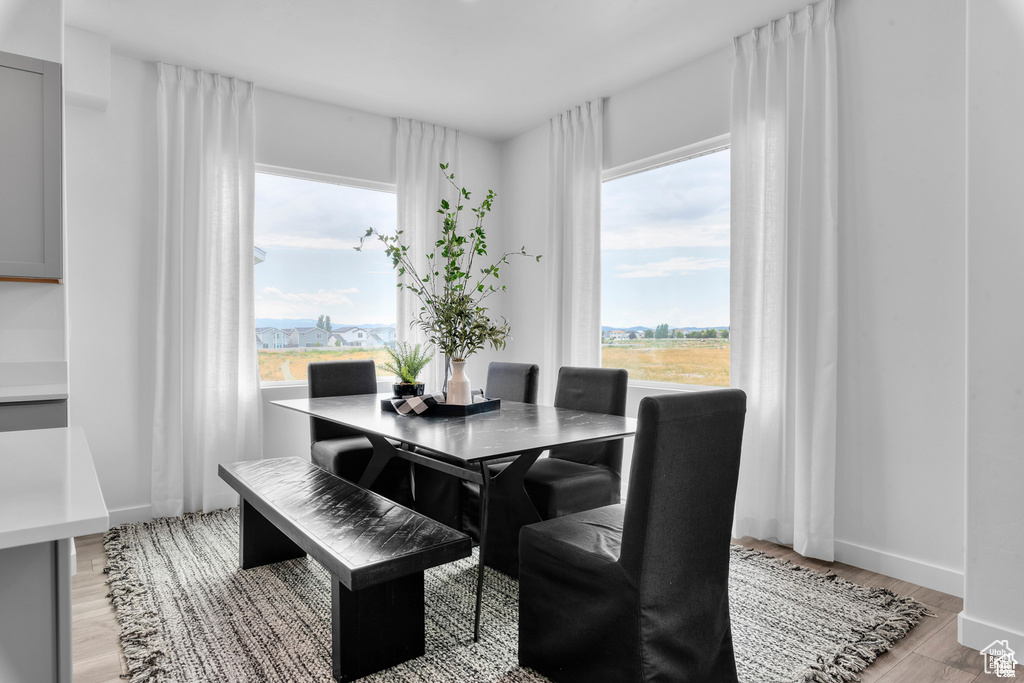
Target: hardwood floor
point(930, 653)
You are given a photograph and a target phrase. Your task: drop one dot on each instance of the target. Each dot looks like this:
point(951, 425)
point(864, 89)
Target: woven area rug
point(189, 614)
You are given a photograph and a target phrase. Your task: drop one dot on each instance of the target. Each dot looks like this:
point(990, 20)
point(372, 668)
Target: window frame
point(331, 179)
point(673, 156)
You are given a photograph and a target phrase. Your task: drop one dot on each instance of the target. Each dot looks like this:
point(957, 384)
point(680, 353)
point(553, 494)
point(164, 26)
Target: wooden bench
point(375, 550)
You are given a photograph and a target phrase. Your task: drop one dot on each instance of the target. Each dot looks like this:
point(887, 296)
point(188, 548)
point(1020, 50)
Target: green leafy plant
point(406, 362)
point(452, 288)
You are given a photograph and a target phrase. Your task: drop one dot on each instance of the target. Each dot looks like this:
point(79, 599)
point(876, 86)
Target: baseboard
point(915, 571)
point(977, 634)
point(139, 513)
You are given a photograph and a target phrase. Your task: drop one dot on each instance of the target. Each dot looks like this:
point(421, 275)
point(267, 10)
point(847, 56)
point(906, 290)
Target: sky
point(665, 246)
point(308, 230)
point(664, 239)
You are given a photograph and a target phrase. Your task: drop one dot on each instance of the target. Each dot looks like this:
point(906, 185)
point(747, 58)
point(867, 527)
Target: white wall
point(111, 234)
point(32, 314)
point(899, 496)
point(901, 376)
point(994, 592)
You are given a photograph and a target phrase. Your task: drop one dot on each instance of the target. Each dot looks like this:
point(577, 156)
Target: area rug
point(189, 614)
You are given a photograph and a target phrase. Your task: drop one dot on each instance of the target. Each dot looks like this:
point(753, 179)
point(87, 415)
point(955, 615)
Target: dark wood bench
point(375, 550)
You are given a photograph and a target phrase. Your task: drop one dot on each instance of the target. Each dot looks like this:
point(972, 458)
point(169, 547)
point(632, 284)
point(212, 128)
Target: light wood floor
point(930, 653)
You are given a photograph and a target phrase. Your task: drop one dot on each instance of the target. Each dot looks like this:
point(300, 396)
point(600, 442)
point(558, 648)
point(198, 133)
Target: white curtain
point(574, 243)
point(420, 150)
point(206, 382)
point(785, 278)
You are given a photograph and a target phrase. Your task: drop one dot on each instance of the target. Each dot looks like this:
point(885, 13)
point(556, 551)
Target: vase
point(458, 385)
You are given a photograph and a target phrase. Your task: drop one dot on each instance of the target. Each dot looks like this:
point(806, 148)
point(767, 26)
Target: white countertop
point(33, 381)
point(48, 487)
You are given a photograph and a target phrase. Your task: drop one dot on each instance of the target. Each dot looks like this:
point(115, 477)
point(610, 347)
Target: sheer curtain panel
point(574, 243)
point(420, 150)
point(785, 278)
point(206, 381)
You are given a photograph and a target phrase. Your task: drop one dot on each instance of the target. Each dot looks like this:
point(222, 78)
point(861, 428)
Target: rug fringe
point(144, 649)
point(851, 659)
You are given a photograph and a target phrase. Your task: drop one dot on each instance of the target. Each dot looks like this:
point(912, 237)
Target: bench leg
point(260, 542)
point(377, 627)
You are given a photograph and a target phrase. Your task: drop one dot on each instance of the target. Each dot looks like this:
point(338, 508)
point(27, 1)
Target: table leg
point(510, 509)
point(260, 542)
point(485, 473)
point(377, 627)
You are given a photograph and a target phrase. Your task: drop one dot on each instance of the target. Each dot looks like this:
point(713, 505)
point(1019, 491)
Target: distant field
point(271, 360)
point(681, 361)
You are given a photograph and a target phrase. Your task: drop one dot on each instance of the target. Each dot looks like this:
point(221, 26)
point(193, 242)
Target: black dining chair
point(343, 451)
point(454, 501)
point(639, 591)
point(580, 477)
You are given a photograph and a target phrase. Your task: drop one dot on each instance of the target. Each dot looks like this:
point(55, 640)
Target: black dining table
point(463, 446)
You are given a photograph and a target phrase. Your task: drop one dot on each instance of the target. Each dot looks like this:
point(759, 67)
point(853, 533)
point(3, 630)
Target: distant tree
point(680, 335)
point(661, 331)
point(724, 334)
point(648, 334)
point(693, 334)
point(324, 323)
point(710, 333)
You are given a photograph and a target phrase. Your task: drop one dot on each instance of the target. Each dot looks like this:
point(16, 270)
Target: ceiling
point(494, 68)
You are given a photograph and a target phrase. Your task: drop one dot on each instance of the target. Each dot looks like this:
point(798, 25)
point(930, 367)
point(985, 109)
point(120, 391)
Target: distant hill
point(288, 323)
point(641, 328)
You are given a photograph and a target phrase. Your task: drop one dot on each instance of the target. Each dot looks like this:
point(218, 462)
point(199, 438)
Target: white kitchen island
point(49, 494)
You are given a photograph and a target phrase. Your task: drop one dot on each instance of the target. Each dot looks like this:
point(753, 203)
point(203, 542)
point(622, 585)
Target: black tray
point(451, 410)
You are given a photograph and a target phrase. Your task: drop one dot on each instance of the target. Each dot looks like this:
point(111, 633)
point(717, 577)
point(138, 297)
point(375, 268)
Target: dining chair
point(454, 501)
point(580, 477)
point(343, 451)
point(639, 591)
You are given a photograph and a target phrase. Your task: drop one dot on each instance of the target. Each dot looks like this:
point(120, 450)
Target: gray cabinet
point(33, 415)
point(30, 168)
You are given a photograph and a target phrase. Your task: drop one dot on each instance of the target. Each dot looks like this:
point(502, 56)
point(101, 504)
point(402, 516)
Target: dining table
point(464, 446)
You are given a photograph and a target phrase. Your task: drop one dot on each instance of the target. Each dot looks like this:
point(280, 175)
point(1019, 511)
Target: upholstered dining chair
point(581, 477)
point(454, 501)
point(345, 452)
point(639, 591)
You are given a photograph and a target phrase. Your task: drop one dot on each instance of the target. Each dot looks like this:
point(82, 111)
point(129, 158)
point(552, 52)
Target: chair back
point(513, 381)
point(679, 505)
point(339, 378)
point(595, 390)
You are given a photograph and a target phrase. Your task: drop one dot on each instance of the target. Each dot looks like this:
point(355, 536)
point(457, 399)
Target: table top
point(510, 430)
point(48, 487)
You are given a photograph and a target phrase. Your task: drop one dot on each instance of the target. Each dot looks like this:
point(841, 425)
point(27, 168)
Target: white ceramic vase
point(458, 385)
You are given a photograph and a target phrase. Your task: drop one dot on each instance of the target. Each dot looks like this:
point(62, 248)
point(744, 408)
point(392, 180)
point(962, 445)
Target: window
point(665, 268)
point(311, 287)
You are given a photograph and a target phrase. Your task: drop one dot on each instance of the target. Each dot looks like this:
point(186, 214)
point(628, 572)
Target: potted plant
point(452, 288)
point(406, 363)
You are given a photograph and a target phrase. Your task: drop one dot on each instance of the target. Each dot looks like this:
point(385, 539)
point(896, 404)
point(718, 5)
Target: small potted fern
point(407, 362)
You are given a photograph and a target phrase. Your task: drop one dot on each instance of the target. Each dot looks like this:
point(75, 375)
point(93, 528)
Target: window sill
point(645, 385)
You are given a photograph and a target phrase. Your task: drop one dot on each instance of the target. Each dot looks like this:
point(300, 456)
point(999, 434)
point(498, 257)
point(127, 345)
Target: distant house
point(271, 338)
point(335, 339)
point(388, 335)
point(303, 337)
point(618, 334)
point(353, 336)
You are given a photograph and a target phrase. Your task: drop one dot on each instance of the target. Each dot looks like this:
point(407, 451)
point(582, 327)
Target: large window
point(316, 297)
point(665, 271)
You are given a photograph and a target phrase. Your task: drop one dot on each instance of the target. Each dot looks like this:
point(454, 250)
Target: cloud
point(674, 266)
point(296, 241)
point(662, 236)
point(271, 302)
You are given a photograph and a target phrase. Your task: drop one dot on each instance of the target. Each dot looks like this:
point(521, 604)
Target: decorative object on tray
point(406, 362)
point(433, 404)
point(453, 316)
